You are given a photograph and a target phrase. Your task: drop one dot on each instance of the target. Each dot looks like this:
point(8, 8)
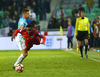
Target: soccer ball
point(19, 68)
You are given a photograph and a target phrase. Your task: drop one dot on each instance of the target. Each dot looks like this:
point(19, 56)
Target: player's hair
point(83, 11)
point(25, 10)
point(29, 26)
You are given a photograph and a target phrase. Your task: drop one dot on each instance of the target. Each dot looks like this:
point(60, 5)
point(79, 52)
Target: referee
point(82, 32)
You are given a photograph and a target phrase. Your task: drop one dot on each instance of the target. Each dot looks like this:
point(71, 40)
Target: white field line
point(88, 58)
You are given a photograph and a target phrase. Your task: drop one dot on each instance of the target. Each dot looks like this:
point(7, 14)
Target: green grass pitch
point(51, 63)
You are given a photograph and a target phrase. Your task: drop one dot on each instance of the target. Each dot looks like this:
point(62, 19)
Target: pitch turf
point(51, 63)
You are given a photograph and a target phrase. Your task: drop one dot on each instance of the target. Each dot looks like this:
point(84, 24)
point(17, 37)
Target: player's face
point(82, 14)
point(29, 30)
point(69, 23)
point(27, 15)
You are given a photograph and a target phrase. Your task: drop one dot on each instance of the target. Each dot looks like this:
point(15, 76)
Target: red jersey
point(33, 38)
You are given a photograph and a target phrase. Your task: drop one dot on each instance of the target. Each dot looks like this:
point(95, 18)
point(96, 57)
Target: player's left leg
point(86, 43)
point(71, 43)
point(81, 48)
point(21, 57)
point(86, 47)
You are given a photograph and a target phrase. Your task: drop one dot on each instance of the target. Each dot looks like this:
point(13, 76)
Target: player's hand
point(13, 37)
point(42, 43)
point(76, 36)
point(88, 36)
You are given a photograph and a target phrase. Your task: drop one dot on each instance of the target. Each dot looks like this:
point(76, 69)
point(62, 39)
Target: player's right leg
point(81, 48)
point(80, 39)
point(21, 44)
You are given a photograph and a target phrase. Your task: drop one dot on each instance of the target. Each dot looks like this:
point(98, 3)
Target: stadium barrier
point(51, 43)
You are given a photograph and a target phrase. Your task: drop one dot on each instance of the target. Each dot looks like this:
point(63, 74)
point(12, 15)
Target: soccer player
point(22, 23)
point(30, 36)
point(82, 31)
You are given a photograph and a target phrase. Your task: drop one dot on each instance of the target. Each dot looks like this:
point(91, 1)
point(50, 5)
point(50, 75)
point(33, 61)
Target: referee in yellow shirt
point(82, 32)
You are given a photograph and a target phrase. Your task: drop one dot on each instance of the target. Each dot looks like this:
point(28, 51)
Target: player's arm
point(41, 36)
point(44, 39)
point(76, 28)
point(14, 34)
point(21, 27)
point(88, 29)
point(21, 24)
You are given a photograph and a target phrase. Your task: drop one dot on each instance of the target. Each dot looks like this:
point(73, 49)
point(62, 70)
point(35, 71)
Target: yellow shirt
point(82, 25)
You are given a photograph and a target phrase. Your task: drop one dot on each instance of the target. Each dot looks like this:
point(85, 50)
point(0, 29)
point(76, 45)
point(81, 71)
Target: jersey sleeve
point(44, 38)
point(21, 23)
point(17, 31)
point(88, 27)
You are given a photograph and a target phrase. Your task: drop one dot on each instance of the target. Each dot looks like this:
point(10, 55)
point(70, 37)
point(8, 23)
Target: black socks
point(86, 47)
point(81, 50)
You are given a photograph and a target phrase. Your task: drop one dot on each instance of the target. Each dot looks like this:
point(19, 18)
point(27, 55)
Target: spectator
point(98, 24)
point(95, 35)
point(90, 4)
point(15, 7)
point(54, 20)
point(8, 3)
point(28, 7)
point(23, 6)
point(70, 35)
point(65, 23)
point(74, 11)
point(35, 8)
point(74, 19)
point(7, 14)
point(59, 23)
point(0, 21)
point(20, 2)
point(11, 11)
point(12, 25)
point(1, 4)
point(48, 6)
point(99, 3)
point(43, 10)
point(67, 16)
point(38, 2)
point(69, 19)
point(7, 21)
point(33, 22)
point(16, 16)
point(14, 20)
point(97, 20)
point(61, 18)
point(79, 13)
point(61, 12)
point(81, 8)
point(91, 36)
point(27, 2)
point(51, 24)
point(31, 13)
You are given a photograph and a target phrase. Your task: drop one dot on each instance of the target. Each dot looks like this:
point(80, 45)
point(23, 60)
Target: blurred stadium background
point(52, 60)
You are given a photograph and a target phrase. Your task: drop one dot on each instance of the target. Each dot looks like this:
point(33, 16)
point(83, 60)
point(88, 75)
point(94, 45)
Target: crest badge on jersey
point(21, 22)
point(32, 36)
point(85, 24)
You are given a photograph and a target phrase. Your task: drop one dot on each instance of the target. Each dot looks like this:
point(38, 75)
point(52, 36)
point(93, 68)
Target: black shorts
point(82, 35)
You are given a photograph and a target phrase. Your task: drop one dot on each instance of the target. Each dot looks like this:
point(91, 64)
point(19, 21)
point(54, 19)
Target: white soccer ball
point(19, 68)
